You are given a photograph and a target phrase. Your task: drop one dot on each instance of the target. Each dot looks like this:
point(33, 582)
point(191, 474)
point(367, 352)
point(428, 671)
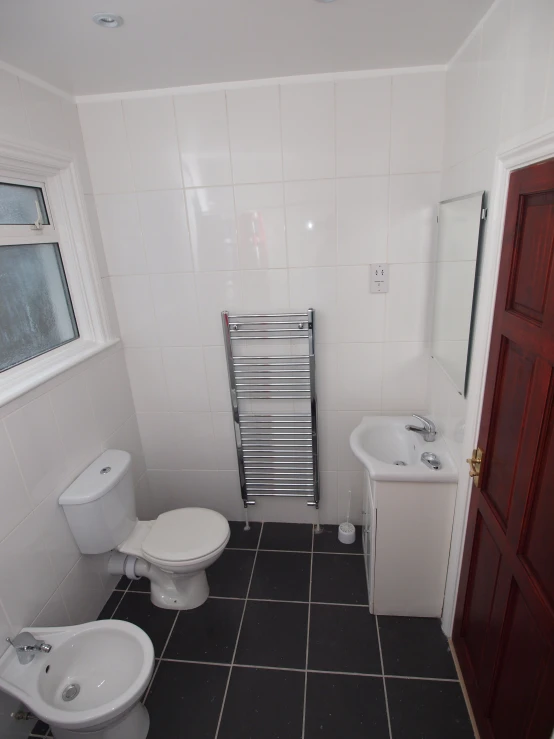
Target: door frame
point(531, 147)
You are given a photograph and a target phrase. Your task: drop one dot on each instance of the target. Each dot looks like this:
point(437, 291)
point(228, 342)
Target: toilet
point(173, 551)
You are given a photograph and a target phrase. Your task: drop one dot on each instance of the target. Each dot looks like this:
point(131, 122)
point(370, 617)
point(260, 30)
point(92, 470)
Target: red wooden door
point(504, 627)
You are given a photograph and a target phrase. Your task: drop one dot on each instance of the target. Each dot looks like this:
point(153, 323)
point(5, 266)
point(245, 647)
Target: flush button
point(105, 470)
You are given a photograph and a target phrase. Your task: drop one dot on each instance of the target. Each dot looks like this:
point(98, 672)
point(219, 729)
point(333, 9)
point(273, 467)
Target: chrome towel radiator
point(277, 451)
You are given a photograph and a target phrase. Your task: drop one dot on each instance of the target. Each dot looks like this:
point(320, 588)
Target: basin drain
point(71, 691)
point(400, 463)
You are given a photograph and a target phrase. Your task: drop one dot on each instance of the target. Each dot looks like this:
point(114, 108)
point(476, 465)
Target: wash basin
point(390, 452)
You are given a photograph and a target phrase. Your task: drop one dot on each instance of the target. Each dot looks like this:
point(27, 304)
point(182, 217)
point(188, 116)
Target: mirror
point(456, 284)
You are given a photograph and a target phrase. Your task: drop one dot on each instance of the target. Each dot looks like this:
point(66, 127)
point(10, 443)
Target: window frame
point(56, 173)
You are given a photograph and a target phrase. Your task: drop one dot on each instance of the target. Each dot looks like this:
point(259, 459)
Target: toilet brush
point(347, 531)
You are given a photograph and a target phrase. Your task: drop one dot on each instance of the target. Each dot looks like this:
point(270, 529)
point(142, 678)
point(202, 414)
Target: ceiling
point(171, 43)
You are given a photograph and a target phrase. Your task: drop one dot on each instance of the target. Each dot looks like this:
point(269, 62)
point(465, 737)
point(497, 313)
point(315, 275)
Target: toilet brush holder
point(347, 533)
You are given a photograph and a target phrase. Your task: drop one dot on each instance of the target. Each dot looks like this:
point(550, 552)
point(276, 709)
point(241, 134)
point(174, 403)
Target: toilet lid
point(185, 533)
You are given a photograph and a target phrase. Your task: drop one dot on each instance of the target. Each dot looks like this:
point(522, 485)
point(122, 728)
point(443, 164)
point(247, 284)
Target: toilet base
point(132, 725)
point(178, 592)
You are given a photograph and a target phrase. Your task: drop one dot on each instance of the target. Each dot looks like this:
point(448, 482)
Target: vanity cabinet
point(407, 527)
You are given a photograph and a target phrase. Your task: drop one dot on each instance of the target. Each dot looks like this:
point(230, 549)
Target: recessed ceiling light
point(109, 20)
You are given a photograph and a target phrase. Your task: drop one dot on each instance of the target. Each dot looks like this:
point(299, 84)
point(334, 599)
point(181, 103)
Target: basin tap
point(26, 646)
point(428, 430)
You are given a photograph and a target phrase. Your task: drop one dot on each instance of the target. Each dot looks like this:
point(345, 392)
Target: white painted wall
point(49, 435)
point(499, 86)
point(341, 174)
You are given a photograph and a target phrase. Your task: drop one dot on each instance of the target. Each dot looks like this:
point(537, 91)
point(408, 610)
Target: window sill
point(22, 379)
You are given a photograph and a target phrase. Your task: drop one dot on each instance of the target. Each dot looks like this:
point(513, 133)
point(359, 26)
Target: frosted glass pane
point(18, 205)
point(36, 314)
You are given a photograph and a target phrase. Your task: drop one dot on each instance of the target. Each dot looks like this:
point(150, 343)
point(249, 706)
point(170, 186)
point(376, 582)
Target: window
point(36, 312)
point(52, 310)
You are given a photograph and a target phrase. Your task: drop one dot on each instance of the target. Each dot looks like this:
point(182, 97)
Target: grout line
point(308, 639)
point(149, 688)
point(301, 602)
point(294, 551)
point(195, 662)
point(414, 677)
point(351, 674)
point(383, 675)
point(238, 636)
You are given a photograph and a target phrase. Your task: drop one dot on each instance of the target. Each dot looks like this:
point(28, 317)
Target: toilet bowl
point(89, 685)
point(173, 551)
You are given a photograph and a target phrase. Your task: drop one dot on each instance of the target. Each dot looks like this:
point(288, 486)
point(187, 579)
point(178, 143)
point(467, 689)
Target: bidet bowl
point(111, 662)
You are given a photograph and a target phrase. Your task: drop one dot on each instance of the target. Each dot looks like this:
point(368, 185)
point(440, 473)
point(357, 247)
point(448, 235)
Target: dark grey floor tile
point(343, 639)
point(263, 703)
point(185, 700)
point(281, 576)
point(156, 622)
point(123, 583)
point(339, 578)
point(241, 539)
point(273, 634)
point(293, 537)
point(345, 706)
point(208, 633)
point(328, 541)
point(40, 729)
point(415, 647)
point(427, 709)
point(110, 605)
point(142, 585)
point(230, 575)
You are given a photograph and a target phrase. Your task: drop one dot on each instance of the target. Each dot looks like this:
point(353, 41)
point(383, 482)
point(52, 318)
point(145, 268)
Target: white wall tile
point(14, 500)
point(147, 378)
point(311, 223)
point(152, 137)
point(308, 124)
point(203, 139)
point(327, 439)
point(186, 378)
point(529, 47)
point(175, 308)
point(346, 423)
point(417, 127)
point(326, 368)
point(328, 506)
point(265, 291)
point(54, 612)
point(135, 310)
point(316, 287)
point(413, 217)
point(255, 134)
point(216, 291)
point(74, 414)
point(76, 144)
point(217, 378)
point(197, 437)
point(45, 115)
point(405, 371)
point(38, 447)
point(106, 146)
point(112, 398)
point(83, 592)
point(360, 314)
point(409, 302)
point(160, 440)
point(165, 231)
point(359, 373)
point(363, 126)
point(27, 578)
point(121, 234)
point(362, 218)
point(57, 537)
point(13, 118)
point(213, 228)
point(260, 214)
point(350, 482)
point(224, 437)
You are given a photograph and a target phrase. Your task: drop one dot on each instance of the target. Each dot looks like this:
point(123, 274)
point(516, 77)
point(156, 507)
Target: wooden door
point(504, 626)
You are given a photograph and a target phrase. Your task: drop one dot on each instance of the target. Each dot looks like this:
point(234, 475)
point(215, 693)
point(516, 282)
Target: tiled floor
point(285, 648)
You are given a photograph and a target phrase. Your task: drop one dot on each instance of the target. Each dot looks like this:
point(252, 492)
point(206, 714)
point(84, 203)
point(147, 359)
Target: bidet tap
point(428, 430)
point(26, 646)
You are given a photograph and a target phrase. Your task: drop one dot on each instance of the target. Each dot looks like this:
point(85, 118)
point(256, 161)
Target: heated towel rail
point(273, 398)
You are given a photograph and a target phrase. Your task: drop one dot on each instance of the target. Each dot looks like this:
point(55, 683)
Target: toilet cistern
point(428, 430)
point(26, 646)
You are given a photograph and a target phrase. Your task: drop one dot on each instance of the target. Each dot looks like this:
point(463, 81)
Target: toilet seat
point(178, 537)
